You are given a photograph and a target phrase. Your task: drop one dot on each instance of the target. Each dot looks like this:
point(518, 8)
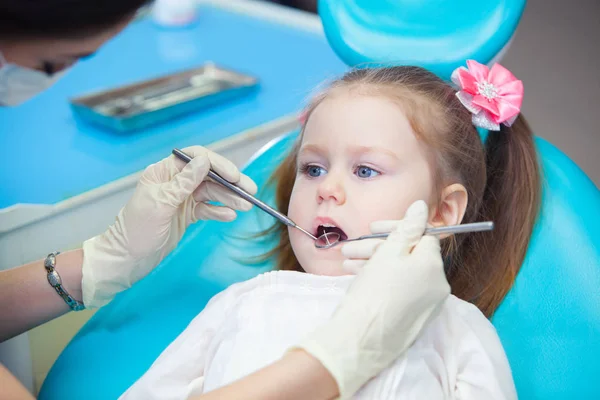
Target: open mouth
point(330, 228)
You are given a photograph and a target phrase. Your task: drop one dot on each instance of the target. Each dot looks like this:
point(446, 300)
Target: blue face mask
point(19, 84)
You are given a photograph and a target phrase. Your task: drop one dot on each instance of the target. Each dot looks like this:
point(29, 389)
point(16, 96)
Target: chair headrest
point(437, 35)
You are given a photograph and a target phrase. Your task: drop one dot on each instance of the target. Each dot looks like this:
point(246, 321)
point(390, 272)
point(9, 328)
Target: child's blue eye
point(314, 171)
point(365, 172)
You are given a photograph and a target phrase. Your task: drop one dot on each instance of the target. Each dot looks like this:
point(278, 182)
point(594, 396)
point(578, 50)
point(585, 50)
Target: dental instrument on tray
point(245, 195)
point(330, 239)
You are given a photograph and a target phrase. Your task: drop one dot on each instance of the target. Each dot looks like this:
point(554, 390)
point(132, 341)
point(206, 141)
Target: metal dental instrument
point(245, 195)
point(330, 239)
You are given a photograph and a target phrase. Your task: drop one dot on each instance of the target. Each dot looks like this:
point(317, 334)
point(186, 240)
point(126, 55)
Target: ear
point(452, 206)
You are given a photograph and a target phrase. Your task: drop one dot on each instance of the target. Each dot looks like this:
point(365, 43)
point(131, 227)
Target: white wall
point(556, 53)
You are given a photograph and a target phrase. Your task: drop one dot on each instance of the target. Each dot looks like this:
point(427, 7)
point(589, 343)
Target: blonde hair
point(501, 177)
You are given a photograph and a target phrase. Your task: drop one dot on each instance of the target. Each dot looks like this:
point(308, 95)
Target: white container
point(174, 13)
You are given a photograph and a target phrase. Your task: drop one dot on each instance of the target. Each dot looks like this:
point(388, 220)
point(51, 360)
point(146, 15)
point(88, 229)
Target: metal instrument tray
point(157, 100)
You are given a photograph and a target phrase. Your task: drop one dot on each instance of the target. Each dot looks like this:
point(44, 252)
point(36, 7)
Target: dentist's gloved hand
point(359, 252)
point(169, 197)
point(395, 294)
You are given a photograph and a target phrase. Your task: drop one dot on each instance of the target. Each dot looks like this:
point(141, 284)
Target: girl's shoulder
point(462, 325)
point(463, 315)
point(463, 309)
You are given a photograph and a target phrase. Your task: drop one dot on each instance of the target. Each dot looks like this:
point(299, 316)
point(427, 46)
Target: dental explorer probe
point(330, 239)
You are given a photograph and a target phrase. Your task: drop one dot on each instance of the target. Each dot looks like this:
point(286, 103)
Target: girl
point(372, 143)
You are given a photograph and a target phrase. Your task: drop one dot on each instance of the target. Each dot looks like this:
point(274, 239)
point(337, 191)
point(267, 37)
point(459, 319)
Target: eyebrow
point(311, 148)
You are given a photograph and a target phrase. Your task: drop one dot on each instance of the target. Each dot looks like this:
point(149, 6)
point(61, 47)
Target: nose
point(331, 189)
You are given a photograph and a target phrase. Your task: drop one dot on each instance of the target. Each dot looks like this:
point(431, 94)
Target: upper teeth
point(328, 226)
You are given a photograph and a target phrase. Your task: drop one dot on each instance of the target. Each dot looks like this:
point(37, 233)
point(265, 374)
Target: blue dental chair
point(549, 323)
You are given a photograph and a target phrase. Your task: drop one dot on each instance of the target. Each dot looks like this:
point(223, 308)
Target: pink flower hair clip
point(494, 96)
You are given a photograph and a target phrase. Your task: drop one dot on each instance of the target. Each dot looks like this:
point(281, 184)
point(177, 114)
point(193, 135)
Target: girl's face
point(359, 162)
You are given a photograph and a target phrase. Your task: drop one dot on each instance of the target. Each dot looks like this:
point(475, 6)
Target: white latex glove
point(358, 253)
point(169, 197)
point(386, 307)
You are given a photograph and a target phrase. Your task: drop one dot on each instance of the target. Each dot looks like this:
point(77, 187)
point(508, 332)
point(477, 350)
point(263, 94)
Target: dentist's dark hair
point(501, 176)
point(23, 19)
